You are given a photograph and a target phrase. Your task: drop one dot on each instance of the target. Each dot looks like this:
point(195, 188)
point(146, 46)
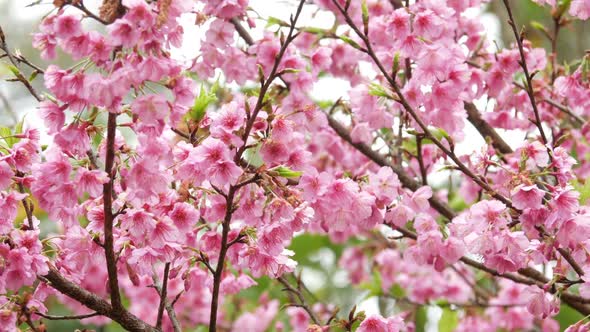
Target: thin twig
point(169, 306)
point(163, 294)
point(460, 305)
point(529, 79)
point(302, 302)
point(71, 317)
point(80, 6)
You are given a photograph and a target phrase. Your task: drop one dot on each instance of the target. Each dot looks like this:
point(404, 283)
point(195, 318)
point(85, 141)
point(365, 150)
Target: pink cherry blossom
point(527, 197)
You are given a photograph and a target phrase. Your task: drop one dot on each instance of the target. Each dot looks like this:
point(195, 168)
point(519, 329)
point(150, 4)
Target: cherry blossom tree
point(168, 188)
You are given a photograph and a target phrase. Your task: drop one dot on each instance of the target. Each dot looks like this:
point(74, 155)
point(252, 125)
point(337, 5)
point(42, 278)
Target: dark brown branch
point(22, 59)
point(423, 173)
point(486, 130)
point(108, 214)
point(571, 261)
point(80, 6)
point(168, 306)
point(396, 4)
point(560, 107)
point(163, 293)
point(127, 320)
point(499, 144)
point(242, 31)
point(557, 105)
point(221, 261)
point(27, 205)
point(460, 305)
point(381, 160)
point(266, 83)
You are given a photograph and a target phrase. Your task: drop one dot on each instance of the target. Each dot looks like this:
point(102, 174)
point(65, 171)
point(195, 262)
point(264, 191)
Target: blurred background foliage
point(317, 255)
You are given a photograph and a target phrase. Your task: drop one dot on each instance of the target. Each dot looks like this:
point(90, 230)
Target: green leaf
point(421, 319)
point(6, 134)
point(440, 133)
point(395, 66)
point(286, 172)
point(377, 90)
point(305, 245)
point(14, 70)
point(539, 26)
point(373, 285)
point(365, 12)
point(448, 321)
point(205, 98)
point(33, 75)
point(18, 129)
point(252, 156)
point(275, 21)
point(350, 42)
point(583, 189)
point(397, 291)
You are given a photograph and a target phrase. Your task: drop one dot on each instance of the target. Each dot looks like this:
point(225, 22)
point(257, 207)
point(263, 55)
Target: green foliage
point(7, 137)
point(377, 90)
point(306, 245)
point(286, 172)
point(567, 317)
point(421, 318)
point(583, 189)
point(397, 291)
point(448, 321)
point(271, 20)
point(350, 42)
point(205, 98)
point(373, 285)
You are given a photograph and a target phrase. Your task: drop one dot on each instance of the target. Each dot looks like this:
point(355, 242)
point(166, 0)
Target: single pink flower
point(527, 197)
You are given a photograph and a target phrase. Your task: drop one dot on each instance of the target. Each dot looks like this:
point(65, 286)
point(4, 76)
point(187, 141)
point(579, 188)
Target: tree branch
point(163, 294)
point(529, 79)
point(19, 76)
point(92, 301)
point(242, 31)
point(73, 317)
point(168, 306)
point(108, 214)
point(486, 130)
point(302, 303)
point(271, 77)
point(381, 160)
